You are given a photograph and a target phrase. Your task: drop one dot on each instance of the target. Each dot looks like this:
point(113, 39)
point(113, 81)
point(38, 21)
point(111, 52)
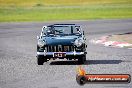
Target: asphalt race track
point(18, 63)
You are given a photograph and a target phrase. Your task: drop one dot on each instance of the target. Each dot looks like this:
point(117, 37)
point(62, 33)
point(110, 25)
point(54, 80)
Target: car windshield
point(63, 30)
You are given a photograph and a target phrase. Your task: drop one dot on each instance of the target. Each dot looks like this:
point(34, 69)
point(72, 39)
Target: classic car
point(61, 41)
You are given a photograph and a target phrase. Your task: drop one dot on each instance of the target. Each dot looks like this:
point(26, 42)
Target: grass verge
point(49, 13)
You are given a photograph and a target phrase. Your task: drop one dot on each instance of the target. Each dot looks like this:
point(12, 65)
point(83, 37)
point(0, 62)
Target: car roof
point(62, 25)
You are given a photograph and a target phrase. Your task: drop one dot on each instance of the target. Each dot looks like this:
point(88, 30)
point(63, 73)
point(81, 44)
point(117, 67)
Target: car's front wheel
point(41, 59)
point(82, 59)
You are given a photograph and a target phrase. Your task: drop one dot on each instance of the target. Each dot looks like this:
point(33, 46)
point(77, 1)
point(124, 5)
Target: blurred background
point(49, 10)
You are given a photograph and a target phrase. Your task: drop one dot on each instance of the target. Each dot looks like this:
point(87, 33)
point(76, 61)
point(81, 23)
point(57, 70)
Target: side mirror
point(44, 28)
point(37, 37)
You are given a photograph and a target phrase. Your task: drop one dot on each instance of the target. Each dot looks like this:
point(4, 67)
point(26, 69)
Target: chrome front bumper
point(67, 53)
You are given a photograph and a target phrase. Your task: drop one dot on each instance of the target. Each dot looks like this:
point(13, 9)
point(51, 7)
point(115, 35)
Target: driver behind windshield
point(50, 31)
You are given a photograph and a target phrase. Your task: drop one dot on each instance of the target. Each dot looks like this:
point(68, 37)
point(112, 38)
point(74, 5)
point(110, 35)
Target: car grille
point(59, 48)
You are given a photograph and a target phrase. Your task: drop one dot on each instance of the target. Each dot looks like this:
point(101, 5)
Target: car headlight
point(41, 43)
point(78, 42)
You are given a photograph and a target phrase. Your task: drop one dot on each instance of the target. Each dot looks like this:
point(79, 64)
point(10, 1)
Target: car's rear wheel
point(41, 59)
point(82, 59)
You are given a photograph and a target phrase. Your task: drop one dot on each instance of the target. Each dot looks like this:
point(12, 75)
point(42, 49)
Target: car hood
point(61, 40)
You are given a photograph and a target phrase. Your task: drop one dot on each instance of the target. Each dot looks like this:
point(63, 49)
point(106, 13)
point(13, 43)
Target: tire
point(41, 60)
point(82, 59)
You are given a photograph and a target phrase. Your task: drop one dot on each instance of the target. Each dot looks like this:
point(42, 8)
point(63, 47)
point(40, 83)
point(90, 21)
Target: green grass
point(59, 2)
point(23, 11)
